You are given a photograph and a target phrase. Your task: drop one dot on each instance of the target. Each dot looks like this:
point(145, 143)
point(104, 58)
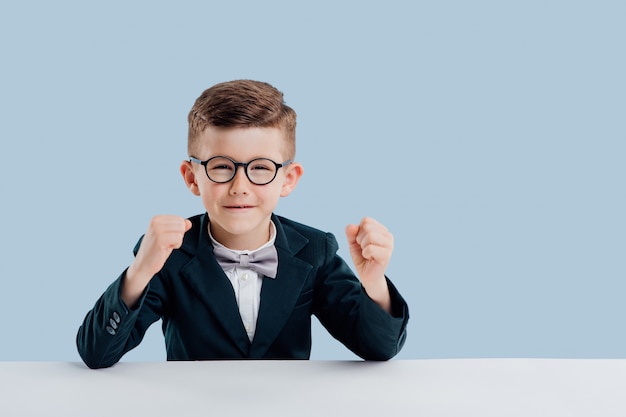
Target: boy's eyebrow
point(198, 160)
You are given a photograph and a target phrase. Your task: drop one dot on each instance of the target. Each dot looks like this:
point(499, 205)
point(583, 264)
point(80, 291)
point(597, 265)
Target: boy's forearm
point(379, 293)
point(132, 287)
point(106, 332)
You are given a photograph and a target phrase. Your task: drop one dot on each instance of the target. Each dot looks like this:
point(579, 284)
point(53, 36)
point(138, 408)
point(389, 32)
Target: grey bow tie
point(264, 261)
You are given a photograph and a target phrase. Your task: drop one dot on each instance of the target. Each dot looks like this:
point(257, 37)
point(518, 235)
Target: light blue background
point(489, 136)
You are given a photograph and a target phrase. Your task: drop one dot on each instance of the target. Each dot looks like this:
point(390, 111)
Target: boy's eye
point(257, 166)
point(219, 167)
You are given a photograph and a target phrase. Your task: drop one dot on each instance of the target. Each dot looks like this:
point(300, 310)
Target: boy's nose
point(240, 183)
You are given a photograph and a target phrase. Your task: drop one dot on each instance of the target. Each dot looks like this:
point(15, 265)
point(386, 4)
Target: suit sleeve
point(110, 329)
point(346, 311)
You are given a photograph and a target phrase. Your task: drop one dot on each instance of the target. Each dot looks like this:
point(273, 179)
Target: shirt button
point(244, 277)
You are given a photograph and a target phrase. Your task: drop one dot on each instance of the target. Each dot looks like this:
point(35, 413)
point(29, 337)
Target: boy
point(238, 281)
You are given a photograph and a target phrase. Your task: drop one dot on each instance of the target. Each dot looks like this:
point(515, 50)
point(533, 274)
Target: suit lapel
point(207, 279)
point(279, 295)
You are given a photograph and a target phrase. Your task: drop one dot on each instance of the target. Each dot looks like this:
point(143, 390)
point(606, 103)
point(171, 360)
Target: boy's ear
point(292, 176)
point(186, 169)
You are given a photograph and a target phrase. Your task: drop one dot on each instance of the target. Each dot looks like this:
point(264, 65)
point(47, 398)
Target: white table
point(457, 387)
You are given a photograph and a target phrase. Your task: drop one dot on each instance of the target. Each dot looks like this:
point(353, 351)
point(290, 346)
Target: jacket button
point(116, 316)
point(113, 323)
point(111, 330)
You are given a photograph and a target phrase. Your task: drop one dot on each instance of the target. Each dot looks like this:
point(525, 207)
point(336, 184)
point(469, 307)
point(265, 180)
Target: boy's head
point(242, 103)
point(241, 147)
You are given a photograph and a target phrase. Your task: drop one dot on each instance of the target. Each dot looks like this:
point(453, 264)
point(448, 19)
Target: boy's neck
point(242, 243)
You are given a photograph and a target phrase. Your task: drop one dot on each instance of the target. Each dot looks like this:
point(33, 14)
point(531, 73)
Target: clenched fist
point(371, 245)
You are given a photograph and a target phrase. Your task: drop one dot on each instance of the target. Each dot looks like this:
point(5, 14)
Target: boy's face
point(239, 210)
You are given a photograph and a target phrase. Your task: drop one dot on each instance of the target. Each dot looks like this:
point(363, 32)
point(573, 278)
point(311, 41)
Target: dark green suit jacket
point(196, 302)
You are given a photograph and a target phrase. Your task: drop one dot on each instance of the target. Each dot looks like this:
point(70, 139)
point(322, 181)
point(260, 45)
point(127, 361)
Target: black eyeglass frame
point(237, 165)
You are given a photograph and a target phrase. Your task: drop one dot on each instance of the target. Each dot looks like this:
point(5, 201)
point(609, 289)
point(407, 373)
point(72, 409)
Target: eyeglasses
point(222, 169)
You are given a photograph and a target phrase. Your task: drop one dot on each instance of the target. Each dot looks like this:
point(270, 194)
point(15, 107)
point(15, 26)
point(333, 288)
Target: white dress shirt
point(247, 285)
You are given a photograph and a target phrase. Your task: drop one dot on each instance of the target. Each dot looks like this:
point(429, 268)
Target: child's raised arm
point(371, 245)
point(165, 233)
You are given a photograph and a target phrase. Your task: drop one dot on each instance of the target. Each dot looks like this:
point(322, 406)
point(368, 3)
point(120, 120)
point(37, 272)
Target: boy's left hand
point(371, 245)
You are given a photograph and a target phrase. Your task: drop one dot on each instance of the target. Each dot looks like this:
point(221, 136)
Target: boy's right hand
point(165, 233)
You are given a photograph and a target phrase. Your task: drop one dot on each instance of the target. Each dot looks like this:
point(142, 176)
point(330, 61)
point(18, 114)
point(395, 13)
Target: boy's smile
point(239, 210)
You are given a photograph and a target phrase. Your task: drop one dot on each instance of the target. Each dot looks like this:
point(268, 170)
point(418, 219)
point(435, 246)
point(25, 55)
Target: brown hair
point(242, 103)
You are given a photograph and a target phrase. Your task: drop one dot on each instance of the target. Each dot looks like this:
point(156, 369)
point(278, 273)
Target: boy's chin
point(251, 232)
